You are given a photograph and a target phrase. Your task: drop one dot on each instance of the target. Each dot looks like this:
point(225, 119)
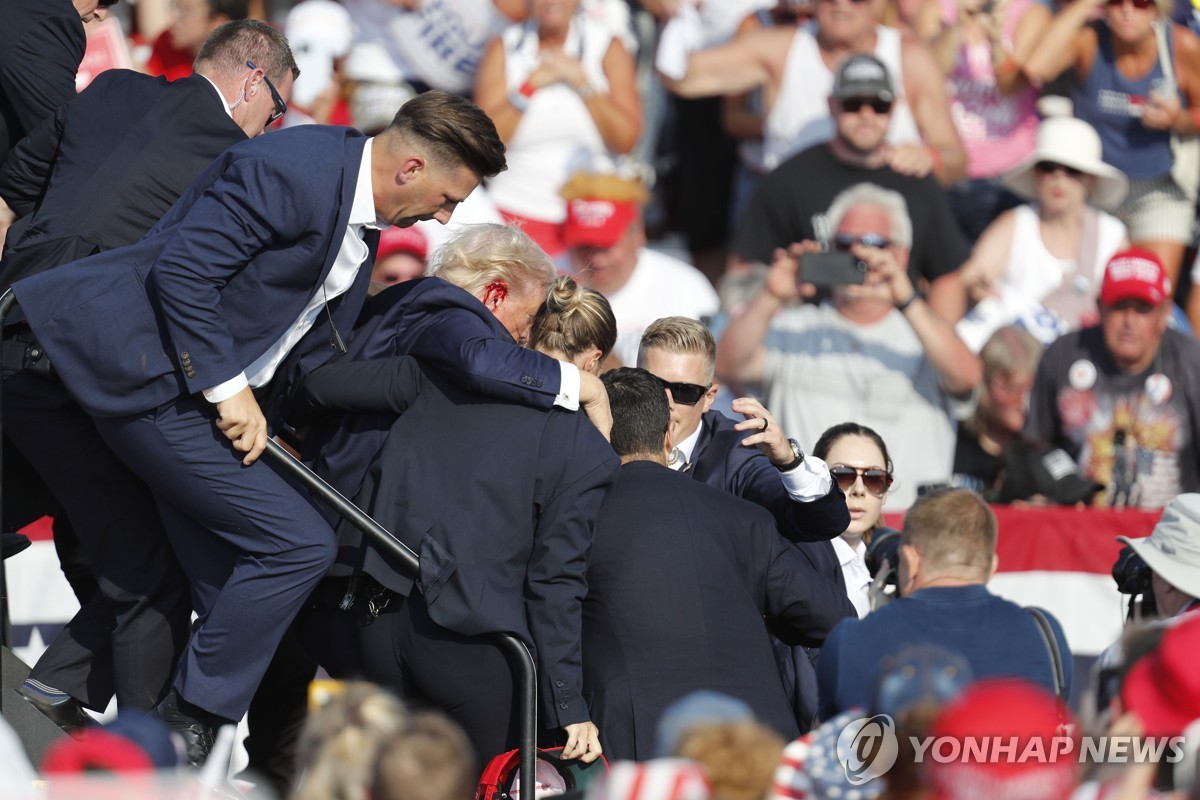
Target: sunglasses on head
point(845, 242)
point(876, 481)
point(853, 105)
point(280, 106)
point(1050, 167)
point(1140, 5)
point(687, 394)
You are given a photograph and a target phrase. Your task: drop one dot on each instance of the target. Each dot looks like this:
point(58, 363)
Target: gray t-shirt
point(822, 370)
point(1134, 434)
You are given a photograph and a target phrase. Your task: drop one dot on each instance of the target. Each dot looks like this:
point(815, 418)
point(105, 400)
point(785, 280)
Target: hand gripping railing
point(518, 655)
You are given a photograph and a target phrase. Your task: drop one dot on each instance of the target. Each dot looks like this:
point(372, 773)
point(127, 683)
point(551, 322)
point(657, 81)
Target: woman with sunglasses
point(1042, 262)
point(576, 325)
point(858, 460)
point(1137, 81)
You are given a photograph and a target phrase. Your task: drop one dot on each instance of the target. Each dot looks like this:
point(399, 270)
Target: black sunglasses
point(687, 394)
point(280, 106)
point(845, 242)
point(876, 481)
point(107, 3)
point(853, 105)
point(1050, 167)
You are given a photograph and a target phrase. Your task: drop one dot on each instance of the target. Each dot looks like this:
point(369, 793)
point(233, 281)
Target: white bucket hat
point(1072, 143)
point(1173, 549)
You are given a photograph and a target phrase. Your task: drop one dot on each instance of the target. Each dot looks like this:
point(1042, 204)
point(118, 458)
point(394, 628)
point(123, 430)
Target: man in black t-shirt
point(1123, 398)
point(782, 208)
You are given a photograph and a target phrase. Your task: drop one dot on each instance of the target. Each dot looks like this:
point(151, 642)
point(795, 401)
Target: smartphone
point(832, 269)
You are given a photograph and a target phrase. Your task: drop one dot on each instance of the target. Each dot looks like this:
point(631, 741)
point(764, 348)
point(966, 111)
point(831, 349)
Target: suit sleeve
point(556, 578)
point(380, 385)
point(758, 481)
point(41, 73)
point(255, 203)
point(461, 348)
point(828, 674)
point(801, 605)
point(27, 168)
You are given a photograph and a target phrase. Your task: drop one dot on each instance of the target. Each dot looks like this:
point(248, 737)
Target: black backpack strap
point(1051, 641)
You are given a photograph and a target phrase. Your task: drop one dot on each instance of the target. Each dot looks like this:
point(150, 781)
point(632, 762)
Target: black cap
point(863, 76)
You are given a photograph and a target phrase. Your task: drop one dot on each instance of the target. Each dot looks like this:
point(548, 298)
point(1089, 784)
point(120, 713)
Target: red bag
point(501, 772)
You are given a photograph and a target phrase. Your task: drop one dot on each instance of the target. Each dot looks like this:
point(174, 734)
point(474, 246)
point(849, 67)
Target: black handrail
point(7, 301)
point(515, 651)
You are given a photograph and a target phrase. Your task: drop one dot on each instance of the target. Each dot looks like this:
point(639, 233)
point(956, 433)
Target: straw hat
point(1072, 143)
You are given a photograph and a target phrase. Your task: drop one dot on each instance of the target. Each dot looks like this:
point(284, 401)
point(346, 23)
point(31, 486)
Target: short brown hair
point(681, 335)
point(430, 759)
point(740, 757)
point(952, 528)
point(233, 45)
point(454, 129)
point(573, 320)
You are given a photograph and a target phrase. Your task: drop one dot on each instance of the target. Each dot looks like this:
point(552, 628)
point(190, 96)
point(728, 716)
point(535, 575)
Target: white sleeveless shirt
point(556, 136)
point(800, 117)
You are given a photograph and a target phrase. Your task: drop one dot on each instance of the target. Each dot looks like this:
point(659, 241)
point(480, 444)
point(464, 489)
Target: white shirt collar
point(362, 210)
point(847, 554)
point(221, 96)
point(689, 444)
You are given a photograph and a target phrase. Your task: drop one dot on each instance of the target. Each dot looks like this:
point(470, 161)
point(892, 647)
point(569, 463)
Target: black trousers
point(127, 637)
point(467, 677)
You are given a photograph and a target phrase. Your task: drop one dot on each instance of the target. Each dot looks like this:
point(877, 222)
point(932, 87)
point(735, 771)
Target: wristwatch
point(796, 461)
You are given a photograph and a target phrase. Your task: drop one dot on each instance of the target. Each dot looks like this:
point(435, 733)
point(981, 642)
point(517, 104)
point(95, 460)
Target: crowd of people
point(931, 258)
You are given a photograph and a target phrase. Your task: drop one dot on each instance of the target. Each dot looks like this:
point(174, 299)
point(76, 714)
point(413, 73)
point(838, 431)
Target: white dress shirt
point(349, 260)
point(854, 569)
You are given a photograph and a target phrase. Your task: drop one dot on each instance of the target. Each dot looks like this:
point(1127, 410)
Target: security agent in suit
point(752, 459)
point(97, 176)
point(679, 580)
point(41, 45)
point(502, 534)
point(164, 343)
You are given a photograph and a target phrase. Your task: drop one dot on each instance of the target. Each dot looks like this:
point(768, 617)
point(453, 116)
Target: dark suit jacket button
point(560, 684)
point(564, 706)
point(525, 379)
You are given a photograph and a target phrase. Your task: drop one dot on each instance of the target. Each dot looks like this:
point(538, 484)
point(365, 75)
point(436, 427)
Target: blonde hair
point(952, 529)
point(341, 740)
point(574, 319)
point(681, 335)
point(740, 757)
point(431, 759)
point(1009, 351)
point(476, 256)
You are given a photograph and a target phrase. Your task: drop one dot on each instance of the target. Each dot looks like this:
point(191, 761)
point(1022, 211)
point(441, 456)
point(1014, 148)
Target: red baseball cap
point(1135, 274)
point(597, 223)
point(402, 240)
point(1163, 687)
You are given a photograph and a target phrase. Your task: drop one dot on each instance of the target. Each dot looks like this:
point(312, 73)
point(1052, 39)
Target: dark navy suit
point(997, 637)
point(41, 45)
point(720, 460)
point(499, 500)
point(96, 176)
point(136, 333)
point(680, 578)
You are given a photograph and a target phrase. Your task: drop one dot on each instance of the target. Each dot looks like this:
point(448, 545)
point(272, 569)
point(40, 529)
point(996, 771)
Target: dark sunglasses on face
point(1050, 167)
point(1140, 5)
point(853, 105)
point(686, 394)
point(280, 106)
point(845, 242)
point(107, 3)
point(875, 481)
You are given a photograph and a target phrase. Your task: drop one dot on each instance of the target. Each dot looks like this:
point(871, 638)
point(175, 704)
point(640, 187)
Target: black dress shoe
point(197, 736)
point(67, 714)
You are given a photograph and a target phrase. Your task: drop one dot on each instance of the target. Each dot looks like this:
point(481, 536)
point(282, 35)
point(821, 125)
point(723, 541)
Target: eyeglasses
point(876, 481)
point(845, 241)
point(280, 106)
point(1140, 5)
point(107, 3)
point(686, 394)
point(1050, 167)
point(853, 105)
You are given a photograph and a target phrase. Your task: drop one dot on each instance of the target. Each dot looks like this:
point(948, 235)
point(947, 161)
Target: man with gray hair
point(876, 353)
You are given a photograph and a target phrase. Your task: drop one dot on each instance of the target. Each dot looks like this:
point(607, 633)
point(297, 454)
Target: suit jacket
point(214, 284)
point(454, 336)
point(498, 500)
point(680, 578)
point(720, 460)
point(41, 45)
point(107, 166)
